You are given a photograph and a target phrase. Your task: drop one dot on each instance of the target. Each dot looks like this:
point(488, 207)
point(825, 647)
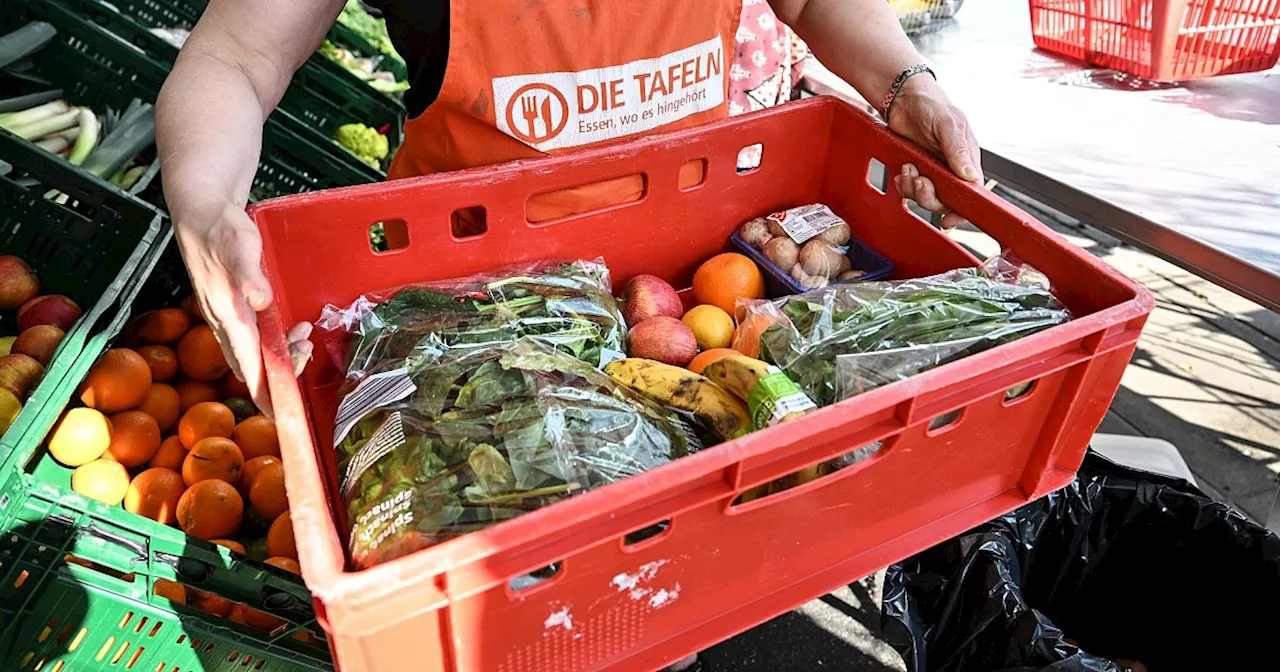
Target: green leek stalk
point(39, 129)
point(13, 120)
point(87, 141)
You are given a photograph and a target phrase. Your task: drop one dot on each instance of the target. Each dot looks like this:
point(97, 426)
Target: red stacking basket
point(1166, 40)
point(956, 446)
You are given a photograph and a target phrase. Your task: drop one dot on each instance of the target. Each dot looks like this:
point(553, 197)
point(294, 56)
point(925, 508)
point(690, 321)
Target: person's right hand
point(223, 254)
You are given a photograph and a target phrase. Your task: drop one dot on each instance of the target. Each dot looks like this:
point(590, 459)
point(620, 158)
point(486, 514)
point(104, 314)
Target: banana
point(680, 388)
point(741, 374)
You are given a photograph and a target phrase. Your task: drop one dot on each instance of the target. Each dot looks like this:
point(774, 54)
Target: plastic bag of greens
point(567, 305)
point(487, 434)
point(846, 339)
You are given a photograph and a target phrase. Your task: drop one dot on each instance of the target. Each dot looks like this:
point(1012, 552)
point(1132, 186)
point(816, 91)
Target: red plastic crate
point(724, 568)
point(1164, 40)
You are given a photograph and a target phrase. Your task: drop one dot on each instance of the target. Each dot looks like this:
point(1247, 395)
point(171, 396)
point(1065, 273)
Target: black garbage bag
point(1120, 566)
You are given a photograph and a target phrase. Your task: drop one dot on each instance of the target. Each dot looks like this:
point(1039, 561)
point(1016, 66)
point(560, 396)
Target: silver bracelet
point(897, 85)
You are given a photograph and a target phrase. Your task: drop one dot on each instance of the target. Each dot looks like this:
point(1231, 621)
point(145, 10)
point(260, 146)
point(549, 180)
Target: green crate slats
point(46, 601)
point(88, 249)
point(322, 93)
point(352, 41)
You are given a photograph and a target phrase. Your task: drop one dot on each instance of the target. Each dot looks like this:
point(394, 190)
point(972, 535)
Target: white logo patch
point(567, 109)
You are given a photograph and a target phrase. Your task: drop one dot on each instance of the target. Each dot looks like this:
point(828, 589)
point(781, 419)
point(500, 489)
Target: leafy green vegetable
point(846, 339)
point(369, 27)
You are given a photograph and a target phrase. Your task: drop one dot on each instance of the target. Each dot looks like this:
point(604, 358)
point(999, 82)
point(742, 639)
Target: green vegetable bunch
point(488, 434)
point(365, 142)
point(847, 339)
point(369, 27)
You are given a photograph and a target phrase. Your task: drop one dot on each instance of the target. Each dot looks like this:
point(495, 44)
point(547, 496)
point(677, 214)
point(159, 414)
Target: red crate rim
point(321, 543)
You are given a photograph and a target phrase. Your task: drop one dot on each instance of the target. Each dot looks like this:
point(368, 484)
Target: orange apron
point(528, 78)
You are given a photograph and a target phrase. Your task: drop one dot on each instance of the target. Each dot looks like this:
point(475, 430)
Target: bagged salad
point(470, 402)
point(843, 340)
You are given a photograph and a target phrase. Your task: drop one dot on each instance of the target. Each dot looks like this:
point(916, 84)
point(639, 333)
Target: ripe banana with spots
point(724, 413)
point(779, 400)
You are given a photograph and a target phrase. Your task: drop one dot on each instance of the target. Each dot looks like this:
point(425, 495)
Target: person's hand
point(223, 254)
point(924, 114)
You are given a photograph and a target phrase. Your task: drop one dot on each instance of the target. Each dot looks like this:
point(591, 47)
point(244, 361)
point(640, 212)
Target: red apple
point(18, 283)
point(663, 339)
point(54, 309)
point(649, 296)
point(20, 374)
point(39, 342)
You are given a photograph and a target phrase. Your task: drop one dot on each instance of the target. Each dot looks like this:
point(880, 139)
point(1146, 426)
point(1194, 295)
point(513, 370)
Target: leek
point(135, 131)
point(30, 100)
point(49, 126)
point(14, 120)
point(25, 41)
point(53, 144)
point(87, 141)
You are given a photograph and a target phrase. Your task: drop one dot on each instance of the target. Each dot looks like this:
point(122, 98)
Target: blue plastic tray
point(778, 281)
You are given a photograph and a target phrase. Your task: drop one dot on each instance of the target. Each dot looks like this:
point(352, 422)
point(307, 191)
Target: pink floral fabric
point(767, 65)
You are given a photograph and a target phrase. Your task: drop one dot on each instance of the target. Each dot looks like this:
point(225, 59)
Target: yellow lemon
point(711, 326)
point(104, 480)
point(82, 436)
point(10, 407)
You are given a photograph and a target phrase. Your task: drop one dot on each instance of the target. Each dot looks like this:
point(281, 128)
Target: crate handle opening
point(127, 577)
point(536, 578)
point(470, 222)
point(750, 158)
point(388, 236)
point(693, 174)
point(554, 207)
point(809, 474)
point(945, 422)
point(648, 535)
point(878, 175)
point(1019, 393)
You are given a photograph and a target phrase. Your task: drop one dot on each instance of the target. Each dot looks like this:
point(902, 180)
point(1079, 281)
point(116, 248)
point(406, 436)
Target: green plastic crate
point(322, 94)
point(100, 610)
point(352, 41)
point(87, 249)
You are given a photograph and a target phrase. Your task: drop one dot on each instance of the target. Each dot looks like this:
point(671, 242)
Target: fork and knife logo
point(537, 113)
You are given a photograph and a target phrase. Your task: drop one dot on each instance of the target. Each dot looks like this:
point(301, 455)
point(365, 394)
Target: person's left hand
point(924, 114)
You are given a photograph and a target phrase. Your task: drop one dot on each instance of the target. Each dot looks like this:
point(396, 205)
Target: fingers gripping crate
point(79, 579)
point(87, 248)
point(1166, 40)
point(952, 447)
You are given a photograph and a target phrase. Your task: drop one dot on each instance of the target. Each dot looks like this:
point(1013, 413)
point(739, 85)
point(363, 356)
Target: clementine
point(287, 564)
point(199, 355)
point(163, 326)
point(210, 509)
point(162, 403)
point(704, 359)
point(162, 361)
point(746, 339)
point(229, 543)
point(170, 456)
point(711, 327)
point(191, 307)
point(257, 436)
point(234, 387)
point(252, 467)
point(211, 603)
point(267, 494)
point(192, 392)
point(203, 420)
point(135, 438)
point(171, 590)
point(280, 540)
point(155, 493)
point(725, 278)
point(214, 458)
point(117, 382)
point(253, 618)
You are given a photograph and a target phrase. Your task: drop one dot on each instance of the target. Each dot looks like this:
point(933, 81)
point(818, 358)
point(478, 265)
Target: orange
point(171, 590)
point(81, 436)
point(155, 493)
point(704, 359)
point(192, 392)
point(200, 356)
point(117, 382)
point(254, 618)
point(746, 339)
point(163, 326)
point(206, 419)
point(210, 509)
point(711, 327)
point(162, 361)
point(233, 387)
point(229, 543)
point(208, 602)
point(257, 436)
point(280, 541)
point(723, 279)
point(135, 438)
point(162, 403)
point(170, 456)
point(213, 458)
point(287, 564)
point(266, 494)
point(102, 479)
point(191, 307)
point(254, 466)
